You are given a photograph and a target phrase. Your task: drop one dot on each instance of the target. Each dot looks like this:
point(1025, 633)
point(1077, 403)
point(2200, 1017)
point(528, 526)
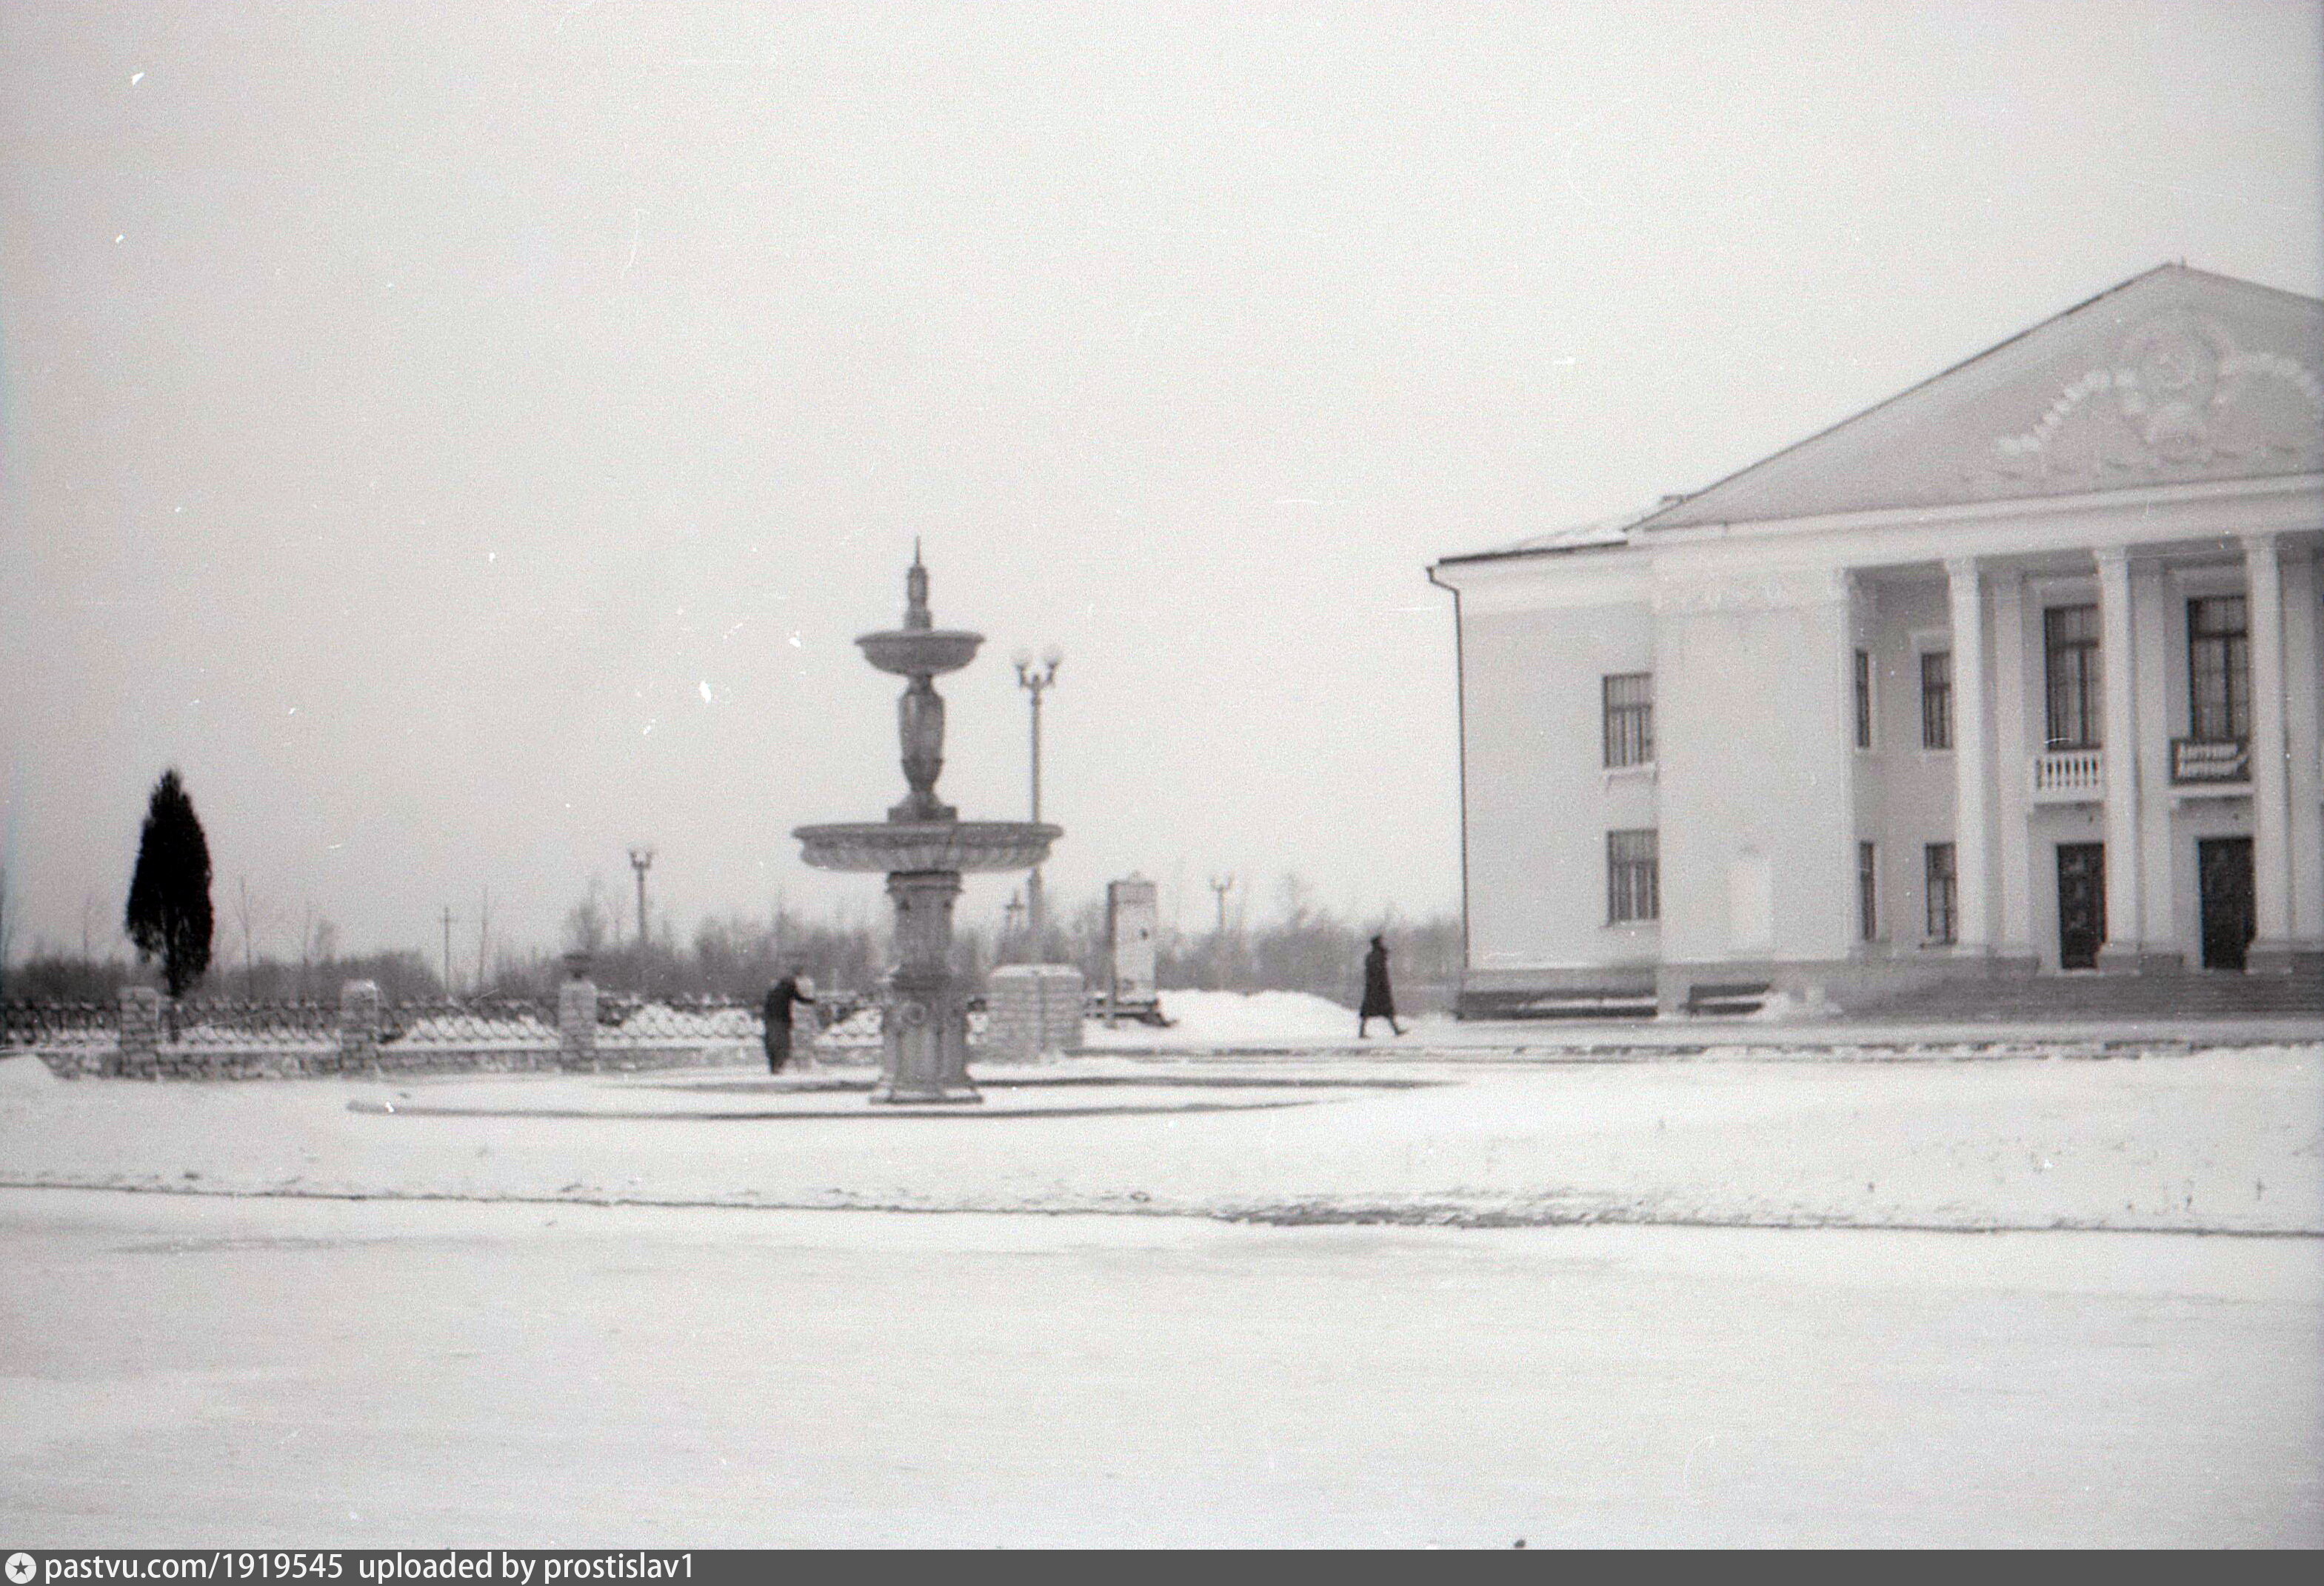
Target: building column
point(2271, 950)
point(1859, 621)
point(2123, 868)
point(2013, 862)
point(2158, 931)
point(1972, 762)
point(2303, 726)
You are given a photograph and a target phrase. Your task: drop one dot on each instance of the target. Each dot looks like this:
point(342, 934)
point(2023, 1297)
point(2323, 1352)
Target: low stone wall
point(366, 1041)
point(1032, 1011)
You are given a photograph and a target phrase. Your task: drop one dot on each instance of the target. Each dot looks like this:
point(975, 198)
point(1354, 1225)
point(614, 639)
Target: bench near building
point(2016, 672)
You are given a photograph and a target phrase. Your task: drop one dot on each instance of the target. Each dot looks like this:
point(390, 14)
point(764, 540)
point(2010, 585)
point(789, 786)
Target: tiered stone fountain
point(924, 846)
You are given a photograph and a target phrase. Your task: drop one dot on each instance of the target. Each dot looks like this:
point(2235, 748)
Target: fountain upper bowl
point(920, 652)
point(896, 846)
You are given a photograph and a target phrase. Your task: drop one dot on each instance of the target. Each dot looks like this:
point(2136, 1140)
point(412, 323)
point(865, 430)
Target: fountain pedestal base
point(924, 1040)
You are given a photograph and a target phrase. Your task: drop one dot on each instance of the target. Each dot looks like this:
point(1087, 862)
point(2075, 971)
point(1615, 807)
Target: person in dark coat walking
point(1379, 1002)
point(781, 998)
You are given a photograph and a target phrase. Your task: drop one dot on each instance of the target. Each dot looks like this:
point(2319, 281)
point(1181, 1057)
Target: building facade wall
point(1751, 687)
point(1539, 798)
point(1760, 795)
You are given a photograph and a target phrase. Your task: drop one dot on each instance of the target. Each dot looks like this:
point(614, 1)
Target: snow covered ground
point(2225, 1139)
point(1211, 1019)
point(1416, 1295)
point(192, 1372)
point(1276, 1022)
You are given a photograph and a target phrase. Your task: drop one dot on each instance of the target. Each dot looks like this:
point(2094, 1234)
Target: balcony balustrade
point(2069, 776)
point(2210, 761)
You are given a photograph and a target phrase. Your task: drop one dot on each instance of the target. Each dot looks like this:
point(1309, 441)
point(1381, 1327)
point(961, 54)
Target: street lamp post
point(642, 860)
point(1035, 681)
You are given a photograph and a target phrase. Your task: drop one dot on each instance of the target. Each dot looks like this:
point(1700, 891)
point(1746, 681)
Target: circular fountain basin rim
point(902, 847)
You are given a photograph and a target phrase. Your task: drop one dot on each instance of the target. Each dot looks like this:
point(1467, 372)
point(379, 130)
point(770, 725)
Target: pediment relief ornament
point(2177, 399)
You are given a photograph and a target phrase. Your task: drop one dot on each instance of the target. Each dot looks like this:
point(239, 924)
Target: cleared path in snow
point(194, 1373)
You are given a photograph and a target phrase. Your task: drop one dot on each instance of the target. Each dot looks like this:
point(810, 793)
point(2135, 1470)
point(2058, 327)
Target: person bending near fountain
point(781, 997)
point(1379, 1002)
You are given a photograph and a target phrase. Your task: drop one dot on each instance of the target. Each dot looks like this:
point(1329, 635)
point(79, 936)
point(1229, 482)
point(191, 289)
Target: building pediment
point(2177, 377)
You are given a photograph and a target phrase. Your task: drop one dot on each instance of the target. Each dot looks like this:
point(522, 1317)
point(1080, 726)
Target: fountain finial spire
point(916, 593)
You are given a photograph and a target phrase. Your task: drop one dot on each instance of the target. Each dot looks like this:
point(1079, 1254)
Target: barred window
point(1864, 699)
point(1633, 877)
point(1629, 699)
point(1942, 894)
point(2218, 669)
point(1867, 891)
point(2075, 708)
point(1937, 699)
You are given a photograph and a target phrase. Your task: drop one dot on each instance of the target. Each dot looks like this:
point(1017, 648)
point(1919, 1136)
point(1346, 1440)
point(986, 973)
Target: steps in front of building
point(2027, 998)
point(1745, 997)
point(2199, 994)
point(1605, 1002)
point(1583, 1003)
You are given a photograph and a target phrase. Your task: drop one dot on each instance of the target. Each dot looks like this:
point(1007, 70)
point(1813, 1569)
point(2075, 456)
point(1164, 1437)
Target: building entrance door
point(2223, 869)
point(2081, 904)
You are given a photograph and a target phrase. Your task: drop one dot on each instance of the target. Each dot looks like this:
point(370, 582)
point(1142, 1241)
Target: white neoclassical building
point(2017, 671)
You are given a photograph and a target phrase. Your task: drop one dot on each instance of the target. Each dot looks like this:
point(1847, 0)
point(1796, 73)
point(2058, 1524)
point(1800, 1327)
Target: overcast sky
point(465, 438)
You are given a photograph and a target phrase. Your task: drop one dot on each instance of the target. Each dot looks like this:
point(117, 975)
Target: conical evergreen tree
point(170, 894)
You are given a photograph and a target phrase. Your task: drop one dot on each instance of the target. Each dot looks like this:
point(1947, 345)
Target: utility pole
point(249, 961)
point(1035, 681)
point(484, 934)
point(642, 860)
point(448, 949)
point(1220, 885)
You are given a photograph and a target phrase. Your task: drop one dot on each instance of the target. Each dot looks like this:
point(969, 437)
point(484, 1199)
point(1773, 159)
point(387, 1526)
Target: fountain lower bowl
point(897, 846)
point(920, 652)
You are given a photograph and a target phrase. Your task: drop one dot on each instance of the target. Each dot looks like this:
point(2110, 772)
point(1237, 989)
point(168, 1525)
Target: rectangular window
point(2070, 635)
point(1936, 699)
point(1630, 719)
point(1633, 877)
point(2218, 669)
point(1867, 891)
point(1864, 699)
point(1942, 894)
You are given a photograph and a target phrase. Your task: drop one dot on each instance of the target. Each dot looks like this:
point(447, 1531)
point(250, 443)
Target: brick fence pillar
point(140, 1056)
point(577, 1023)
point(359, 1022)
point(1061, 1007)
point(1032, 1011)
point(807, 1038)
point(1012, 1014)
